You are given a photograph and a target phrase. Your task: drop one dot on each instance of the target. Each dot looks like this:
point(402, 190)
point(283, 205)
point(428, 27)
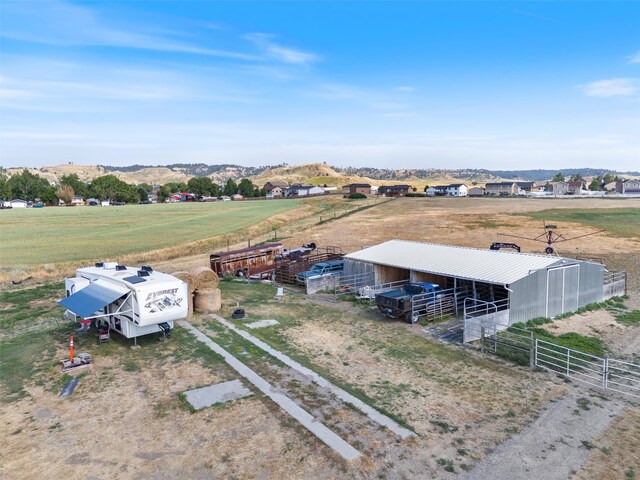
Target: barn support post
point(482, 339)
point(455, 295)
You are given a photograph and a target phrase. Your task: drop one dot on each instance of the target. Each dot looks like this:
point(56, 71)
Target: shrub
point(357, 196)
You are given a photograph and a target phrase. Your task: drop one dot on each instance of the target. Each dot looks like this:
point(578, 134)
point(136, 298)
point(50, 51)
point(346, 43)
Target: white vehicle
point(132, 301)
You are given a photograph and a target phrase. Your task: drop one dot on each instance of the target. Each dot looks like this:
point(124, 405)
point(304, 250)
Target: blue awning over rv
point(89, 300)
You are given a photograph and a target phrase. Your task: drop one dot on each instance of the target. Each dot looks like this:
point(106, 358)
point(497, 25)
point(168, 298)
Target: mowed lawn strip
point(53, 235)
point(620, 222)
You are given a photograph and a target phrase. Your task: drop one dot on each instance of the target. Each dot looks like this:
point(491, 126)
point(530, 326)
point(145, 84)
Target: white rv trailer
point(133, 301)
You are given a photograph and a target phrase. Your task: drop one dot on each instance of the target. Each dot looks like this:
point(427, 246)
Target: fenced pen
point(520, 346)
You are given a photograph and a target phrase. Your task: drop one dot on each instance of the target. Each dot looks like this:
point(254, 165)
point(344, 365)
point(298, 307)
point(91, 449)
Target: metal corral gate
point(519, 346)
point(354, 284)
point(436, 304)
point(606, 373)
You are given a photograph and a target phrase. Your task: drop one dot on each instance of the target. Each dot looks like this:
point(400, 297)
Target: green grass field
point(52, 235)
point(621, 222)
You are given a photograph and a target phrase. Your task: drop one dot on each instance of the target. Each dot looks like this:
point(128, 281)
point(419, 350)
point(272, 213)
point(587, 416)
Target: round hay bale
point(208, 300)
point(205, 278)
point(188, 279)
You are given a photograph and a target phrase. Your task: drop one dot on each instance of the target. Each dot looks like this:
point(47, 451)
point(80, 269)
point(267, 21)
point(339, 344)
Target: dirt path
point(556, 444)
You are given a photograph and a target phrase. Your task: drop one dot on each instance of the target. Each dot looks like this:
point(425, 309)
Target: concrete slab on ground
point(307, 420)
point(218, 393)
point(346, 397)
point(261, 324)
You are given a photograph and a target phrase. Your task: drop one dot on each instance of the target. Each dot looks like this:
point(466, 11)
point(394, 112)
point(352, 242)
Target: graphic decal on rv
point(163, 300)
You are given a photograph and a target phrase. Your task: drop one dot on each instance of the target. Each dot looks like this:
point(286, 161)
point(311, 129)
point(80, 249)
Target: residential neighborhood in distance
point(25, 188)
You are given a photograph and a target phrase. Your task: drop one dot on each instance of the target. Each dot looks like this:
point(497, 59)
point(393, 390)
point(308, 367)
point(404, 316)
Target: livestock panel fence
point(520, 346)
point(615, 284)
point(438, 304)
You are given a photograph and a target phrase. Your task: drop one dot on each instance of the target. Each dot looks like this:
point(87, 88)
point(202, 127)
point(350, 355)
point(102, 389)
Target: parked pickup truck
point(333, 267)
point(397, 303)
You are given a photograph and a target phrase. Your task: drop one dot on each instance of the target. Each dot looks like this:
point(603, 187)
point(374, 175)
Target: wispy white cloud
point(60, 23)
point(611, 88)
point(265, 42)
point(634, 58)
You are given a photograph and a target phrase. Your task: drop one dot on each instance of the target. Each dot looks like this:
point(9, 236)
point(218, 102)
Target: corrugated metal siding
point(571, 286)
point(591, 283)
point(498, 267)
point(528, 298)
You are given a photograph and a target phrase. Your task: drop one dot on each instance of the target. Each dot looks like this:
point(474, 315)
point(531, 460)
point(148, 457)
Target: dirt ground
point(616, 452)
point(121, 424)
point(125, 422)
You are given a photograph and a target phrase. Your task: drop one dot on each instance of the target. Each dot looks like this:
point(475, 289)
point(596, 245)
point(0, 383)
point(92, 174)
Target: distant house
point(236, 196)
point(276, 189)
point(527, 187)
point(183, 197)
point(610, 187)
point(576, 187)
point(77, 200)
point(18, 203)
point(276, 192)
point(363, 188)
point(457, 190)
point(436, 190)
point(395, 190)
point(476, 192)
point(501, 188)
point(105, 203)
point(560, 188)
point(302, 190)
point(628, 186)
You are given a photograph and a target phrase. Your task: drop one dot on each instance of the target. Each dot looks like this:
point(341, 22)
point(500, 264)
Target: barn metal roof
point(489, 266)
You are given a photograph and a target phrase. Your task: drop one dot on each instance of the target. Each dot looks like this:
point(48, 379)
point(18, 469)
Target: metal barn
point(515, 286)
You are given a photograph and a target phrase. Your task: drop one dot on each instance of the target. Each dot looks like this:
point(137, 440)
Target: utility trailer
point(247, 262)
point(132, 301)
point(288, 267)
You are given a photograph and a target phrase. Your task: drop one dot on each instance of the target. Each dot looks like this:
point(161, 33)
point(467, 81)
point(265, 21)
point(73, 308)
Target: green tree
point(176, 187)
point(5, 188)
point(147, 187)
point(594, 185)
point(608, 178)
point(48, 194)
point(164, 192)
point(216, 191)
point(575, 177)
point(230, 188)
point(143, 193)
point(559, 177)
point(112, 188)
point(245, 188)
point(29, 186)
point(72, 180)
point(200, 186)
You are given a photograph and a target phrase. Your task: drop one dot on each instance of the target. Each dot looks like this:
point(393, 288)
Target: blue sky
point(504, 85)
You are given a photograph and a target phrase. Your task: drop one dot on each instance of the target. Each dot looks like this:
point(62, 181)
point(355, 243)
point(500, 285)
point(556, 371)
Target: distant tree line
point(596, 184)
point(30, 186)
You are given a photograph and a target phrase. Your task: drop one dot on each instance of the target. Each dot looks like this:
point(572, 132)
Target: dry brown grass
point(617, 451)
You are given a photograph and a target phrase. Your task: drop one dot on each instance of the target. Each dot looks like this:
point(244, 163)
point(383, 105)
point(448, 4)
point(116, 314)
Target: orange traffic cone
point(71, 349)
